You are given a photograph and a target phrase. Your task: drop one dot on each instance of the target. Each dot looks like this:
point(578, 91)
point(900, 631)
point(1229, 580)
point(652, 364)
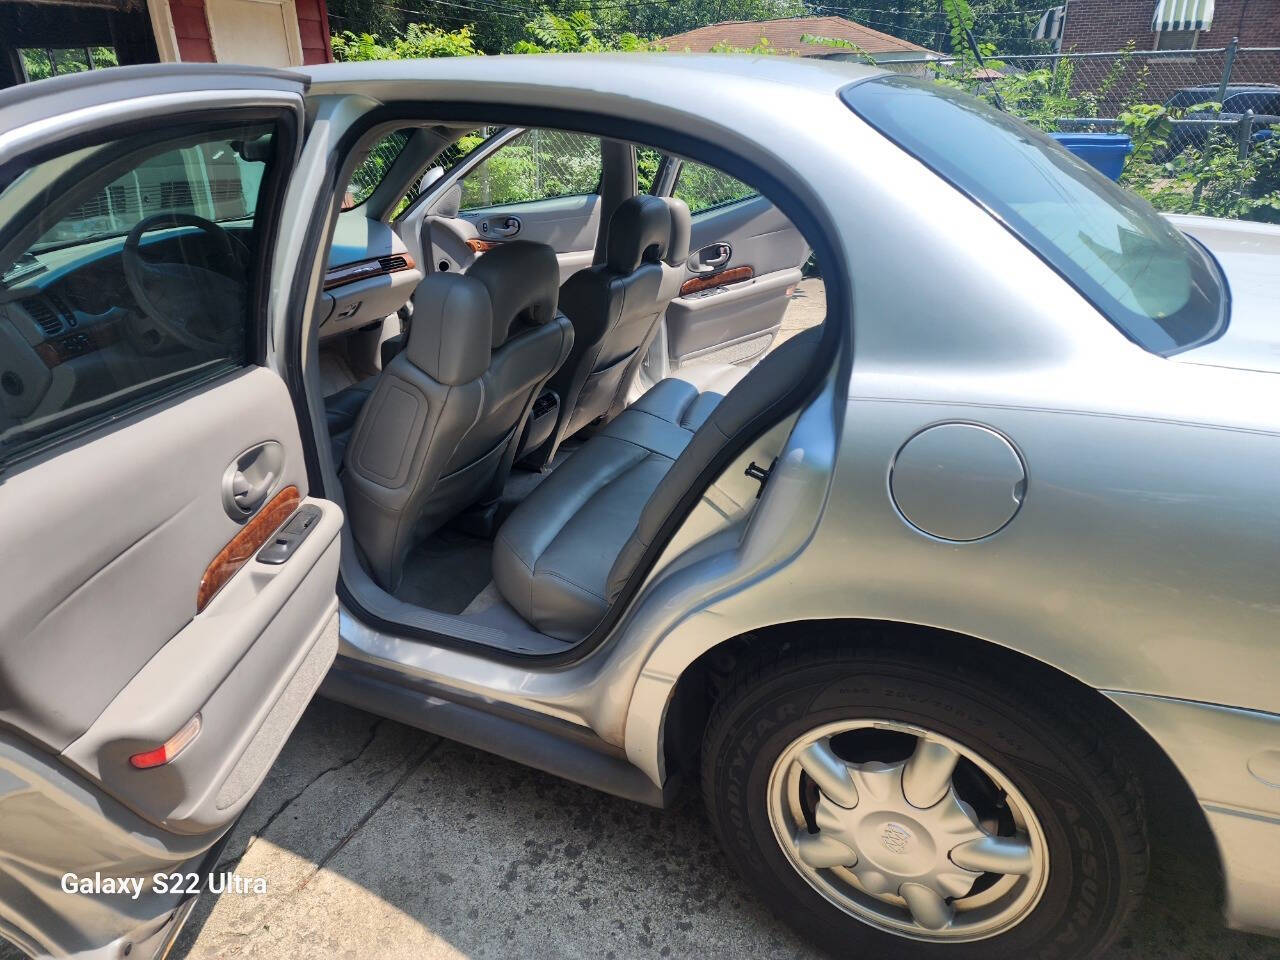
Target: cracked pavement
point(378, 840)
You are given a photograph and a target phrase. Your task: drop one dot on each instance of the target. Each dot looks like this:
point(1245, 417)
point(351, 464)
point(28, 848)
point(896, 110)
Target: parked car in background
point(512, 453)
point(1189, 130)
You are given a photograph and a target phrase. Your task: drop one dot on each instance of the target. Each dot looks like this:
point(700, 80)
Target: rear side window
point(705, 188)
point(128, 270)
point(1152, 282)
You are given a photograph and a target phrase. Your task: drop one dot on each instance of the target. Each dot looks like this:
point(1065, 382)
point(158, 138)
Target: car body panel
point(1249, 255)
point(1231, 759)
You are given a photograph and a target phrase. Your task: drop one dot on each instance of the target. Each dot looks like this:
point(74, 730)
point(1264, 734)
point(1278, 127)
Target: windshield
point(1130, 262)
point(210, 178)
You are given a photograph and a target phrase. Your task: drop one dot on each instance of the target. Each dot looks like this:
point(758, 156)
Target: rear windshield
point(1152, 282)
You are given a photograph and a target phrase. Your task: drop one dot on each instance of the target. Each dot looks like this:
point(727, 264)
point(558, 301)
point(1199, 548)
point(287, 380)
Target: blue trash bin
point(1105, 152)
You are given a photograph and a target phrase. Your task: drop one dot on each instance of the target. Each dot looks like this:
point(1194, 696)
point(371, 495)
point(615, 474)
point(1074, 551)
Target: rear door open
point(168, 603)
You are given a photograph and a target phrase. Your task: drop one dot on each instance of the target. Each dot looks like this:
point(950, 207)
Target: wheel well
point(1176, 823)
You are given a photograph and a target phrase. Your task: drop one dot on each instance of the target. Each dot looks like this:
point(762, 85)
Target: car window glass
point(704, 188)
point(370, 171)
point(536, 165)
point(132, 275)
point(647, 162)
point(1130, 262)
point(446, 160)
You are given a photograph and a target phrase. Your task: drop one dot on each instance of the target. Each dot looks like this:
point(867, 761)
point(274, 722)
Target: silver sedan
point(455, 390)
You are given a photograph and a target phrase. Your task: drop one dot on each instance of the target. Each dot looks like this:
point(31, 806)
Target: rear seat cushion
point(762, 389)
point(553, 556)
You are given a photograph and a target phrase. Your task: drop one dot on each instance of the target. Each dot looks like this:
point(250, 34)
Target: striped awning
point(1182, 15)
point(1050, 25)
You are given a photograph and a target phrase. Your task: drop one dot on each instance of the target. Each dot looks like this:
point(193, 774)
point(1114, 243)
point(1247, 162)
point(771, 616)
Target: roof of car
point(1232, 88)
point(606, 72)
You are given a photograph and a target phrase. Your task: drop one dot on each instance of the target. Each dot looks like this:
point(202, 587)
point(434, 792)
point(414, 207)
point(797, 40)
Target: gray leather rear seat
point(553, 556)
point(568, 550)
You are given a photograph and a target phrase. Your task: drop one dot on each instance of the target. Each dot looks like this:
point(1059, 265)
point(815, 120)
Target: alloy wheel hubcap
point(937, 845)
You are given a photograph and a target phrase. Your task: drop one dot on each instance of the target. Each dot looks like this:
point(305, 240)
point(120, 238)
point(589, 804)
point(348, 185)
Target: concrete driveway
point(377, 840)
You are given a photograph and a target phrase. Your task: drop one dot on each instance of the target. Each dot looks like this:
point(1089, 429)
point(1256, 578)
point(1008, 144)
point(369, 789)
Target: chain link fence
point(538, 165)
point(1080, 87)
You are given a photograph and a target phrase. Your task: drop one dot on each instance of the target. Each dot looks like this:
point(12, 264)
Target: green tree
point(418, 40)
point(1005, 25)
point(578, 32)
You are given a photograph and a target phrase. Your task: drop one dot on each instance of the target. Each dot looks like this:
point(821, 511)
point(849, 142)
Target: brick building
point(48, 37)
point(1110, 24)
point(1181, 36)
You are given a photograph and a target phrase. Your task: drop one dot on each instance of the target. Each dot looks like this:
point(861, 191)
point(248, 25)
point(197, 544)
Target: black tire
point(1090, 811)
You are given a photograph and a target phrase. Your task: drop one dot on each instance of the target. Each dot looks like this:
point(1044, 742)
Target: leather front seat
point(438, 432)
point(615, 308)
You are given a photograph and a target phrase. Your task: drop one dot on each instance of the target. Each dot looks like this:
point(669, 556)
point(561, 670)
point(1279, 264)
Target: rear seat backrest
point(754, 397)
point(566, 552)
point(615, 308)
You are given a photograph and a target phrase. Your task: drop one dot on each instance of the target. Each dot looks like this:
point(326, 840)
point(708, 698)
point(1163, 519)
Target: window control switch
point(281, 546)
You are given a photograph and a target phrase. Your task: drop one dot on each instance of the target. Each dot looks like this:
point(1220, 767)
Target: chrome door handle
point(248, 495)
point(508, 228)
point(249, 478)
point(710, 257)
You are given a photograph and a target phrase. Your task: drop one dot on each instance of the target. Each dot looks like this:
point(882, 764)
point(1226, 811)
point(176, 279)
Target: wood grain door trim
point(721, 279)
point(241, 548)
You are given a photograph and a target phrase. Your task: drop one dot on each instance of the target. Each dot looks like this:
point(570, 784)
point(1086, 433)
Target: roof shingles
point(784, 36)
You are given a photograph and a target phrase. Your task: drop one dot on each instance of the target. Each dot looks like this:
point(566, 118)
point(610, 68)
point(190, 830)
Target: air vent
point(392, 264)
point(43, 313)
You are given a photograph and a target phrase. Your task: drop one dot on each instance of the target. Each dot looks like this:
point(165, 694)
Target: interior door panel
point(567, 224)
point(103, 654)
point(448, 238)
point(738, 299)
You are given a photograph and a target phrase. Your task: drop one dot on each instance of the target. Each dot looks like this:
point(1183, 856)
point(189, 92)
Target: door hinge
point(760, 474)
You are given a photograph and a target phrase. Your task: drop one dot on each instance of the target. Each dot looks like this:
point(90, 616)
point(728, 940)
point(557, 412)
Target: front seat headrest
point(639, 230)
point(681, 231)
point(452, 328)
point(523, 280)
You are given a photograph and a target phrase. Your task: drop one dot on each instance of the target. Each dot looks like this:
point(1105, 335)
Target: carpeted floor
point(446, 571)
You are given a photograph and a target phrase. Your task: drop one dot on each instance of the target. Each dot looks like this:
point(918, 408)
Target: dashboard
point(371, 275)
point(71, 329)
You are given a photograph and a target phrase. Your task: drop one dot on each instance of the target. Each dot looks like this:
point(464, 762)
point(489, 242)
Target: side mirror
point(430, 178)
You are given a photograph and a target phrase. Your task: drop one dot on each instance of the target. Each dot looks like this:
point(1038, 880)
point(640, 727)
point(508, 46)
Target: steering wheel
point(196, 306)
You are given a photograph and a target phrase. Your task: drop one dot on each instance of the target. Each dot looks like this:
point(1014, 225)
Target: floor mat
point(446, 572)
